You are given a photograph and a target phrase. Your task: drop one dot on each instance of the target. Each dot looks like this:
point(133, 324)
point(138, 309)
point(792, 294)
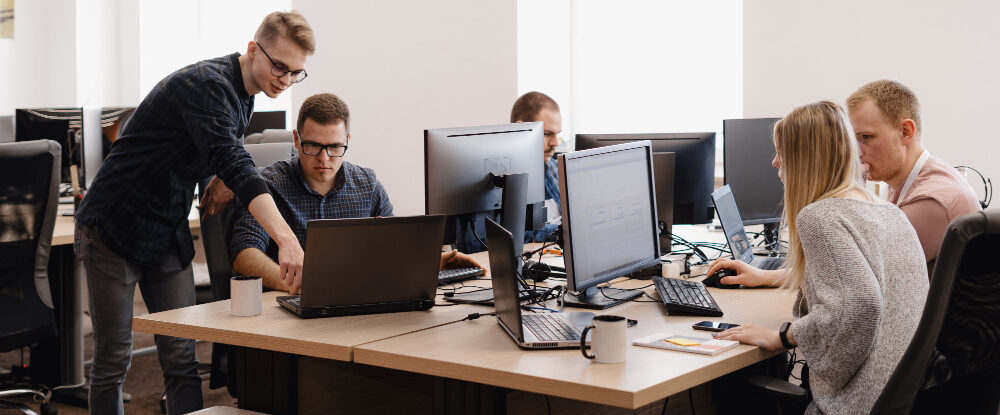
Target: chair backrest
point(6, 128)
point(960, 327)
point(29, 197)
point(216, 230)
point(271, 136)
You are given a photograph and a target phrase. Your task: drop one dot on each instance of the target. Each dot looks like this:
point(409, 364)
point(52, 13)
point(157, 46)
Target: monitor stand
point(600, 299)
point(772, 239)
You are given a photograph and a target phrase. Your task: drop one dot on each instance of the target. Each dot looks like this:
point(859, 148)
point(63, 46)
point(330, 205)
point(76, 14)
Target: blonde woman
point(856, 264)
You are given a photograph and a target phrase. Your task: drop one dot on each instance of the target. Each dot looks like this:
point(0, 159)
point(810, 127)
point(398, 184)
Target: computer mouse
point(715, 280)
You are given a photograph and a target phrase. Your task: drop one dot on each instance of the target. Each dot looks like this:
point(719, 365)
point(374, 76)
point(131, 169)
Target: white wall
point(796, 52)
point(39, 64)
point(403, 67)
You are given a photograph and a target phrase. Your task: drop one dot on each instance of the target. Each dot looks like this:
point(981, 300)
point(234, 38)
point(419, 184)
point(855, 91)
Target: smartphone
point(713, 326)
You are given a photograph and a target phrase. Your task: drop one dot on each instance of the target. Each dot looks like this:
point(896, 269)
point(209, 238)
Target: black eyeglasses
point(311, 148)
point(280, 70)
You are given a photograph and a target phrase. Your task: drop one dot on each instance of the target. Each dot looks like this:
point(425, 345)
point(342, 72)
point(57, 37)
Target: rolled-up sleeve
point(247, 233)
point(216, 137)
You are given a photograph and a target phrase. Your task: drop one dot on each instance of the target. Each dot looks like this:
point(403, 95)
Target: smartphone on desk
point(713, 326)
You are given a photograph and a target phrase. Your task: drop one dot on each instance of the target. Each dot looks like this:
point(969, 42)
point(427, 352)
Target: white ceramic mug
point(245, 296)
point(608, 340)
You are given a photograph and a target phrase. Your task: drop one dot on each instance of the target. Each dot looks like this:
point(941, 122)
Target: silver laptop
point(529, 330)
point(732, 226)
point(345, 271)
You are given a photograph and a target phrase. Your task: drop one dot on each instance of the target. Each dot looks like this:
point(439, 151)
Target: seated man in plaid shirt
point(315, 184)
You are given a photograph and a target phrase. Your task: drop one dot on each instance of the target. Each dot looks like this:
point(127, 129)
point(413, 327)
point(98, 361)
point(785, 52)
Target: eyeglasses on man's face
point(312, 148)
point(280, 70)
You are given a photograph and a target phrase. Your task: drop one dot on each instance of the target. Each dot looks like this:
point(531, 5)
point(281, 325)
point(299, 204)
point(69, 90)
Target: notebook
point(369, 265)
point(684, 343)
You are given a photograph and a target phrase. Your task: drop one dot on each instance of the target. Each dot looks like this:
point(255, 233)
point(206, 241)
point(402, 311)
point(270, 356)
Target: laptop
point(732, 226)
point(528, 330)
point(368, 266)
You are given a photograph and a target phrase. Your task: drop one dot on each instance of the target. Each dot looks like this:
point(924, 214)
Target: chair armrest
point(778, 388)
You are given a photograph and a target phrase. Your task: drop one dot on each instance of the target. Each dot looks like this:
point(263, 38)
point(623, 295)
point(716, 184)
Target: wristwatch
point(783, 335)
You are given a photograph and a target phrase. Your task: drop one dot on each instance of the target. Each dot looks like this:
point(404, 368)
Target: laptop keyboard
point(451, 275)
point(547, 327)
point(768, 263)
point(688, 297)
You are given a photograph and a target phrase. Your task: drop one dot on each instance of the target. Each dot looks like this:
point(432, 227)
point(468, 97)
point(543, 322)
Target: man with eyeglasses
point(132, 227)
point(315, 184)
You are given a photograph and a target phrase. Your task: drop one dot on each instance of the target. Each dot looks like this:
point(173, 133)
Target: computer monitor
point(747, 152)
point(474, 172)
point(62, 125)
point(609, 220)
point(694, 177)
point(265, 120)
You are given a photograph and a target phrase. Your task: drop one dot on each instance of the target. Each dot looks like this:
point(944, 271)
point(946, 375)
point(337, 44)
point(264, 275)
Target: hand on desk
point(753, 334)
point(455, 259)
point(746, 274)
point(216, 197)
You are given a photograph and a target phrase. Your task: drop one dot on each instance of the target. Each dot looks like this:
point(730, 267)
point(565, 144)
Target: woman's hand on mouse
point(746, 275)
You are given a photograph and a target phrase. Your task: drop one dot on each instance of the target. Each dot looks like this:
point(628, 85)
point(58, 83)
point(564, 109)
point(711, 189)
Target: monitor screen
point(609, 213)
point(265, 120)
point(694, 177)
point(748, 150)
point(62, 125)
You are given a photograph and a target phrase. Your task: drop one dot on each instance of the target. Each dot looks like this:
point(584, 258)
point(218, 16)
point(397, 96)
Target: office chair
point(270, 136)
point(953, 361)
point(216, 231)
point(29, 197)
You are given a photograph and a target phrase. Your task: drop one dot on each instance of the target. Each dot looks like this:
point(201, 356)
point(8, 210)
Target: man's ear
point(295, 138)
point(251, 49)
point(909, 130)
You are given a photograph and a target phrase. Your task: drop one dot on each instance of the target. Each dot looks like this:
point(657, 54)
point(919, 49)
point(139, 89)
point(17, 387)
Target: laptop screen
point(500, 244)
point(732, 224)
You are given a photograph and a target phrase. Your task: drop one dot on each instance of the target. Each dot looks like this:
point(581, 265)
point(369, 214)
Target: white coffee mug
point(608, 340)
point(245, 295)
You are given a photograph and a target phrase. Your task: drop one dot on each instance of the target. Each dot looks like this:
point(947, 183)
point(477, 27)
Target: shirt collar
point(241, 88)
point(919, 165)
point(338, 180)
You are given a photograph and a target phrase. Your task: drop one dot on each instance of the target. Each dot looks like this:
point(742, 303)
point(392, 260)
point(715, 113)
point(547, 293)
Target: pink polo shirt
point(936, 197)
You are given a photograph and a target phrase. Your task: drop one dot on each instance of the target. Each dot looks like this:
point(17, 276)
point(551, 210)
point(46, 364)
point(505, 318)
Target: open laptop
point(368, 266)
point(732, 226)
point(529, 330)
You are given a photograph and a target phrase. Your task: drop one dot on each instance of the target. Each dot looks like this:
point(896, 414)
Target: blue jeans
point(111, 282)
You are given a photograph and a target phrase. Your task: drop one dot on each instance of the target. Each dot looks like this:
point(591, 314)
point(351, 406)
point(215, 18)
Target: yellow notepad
point(682, 341)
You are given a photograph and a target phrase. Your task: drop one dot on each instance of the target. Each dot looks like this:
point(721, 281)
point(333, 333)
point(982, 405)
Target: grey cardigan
point(864, 289)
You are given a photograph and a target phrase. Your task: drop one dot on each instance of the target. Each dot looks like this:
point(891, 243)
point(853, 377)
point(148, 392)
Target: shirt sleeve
point(247, 233)
point(930, 219)
point(381, 204)
point(844, 297)
point(210, 122)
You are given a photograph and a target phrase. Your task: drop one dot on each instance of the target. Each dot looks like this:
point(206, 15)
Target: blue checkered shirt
point(356, 193)
point(187, 129)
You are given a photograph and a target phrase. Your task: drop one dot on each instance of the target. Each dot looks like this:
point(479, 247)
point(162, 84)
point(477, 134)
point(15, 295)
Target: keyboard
point(687, 297)
point(447, 276)
point(547, 327)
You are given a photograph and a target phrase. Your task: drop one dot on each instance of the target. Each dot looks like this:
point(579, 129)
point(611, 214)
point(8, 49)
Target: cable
point(665, 402)
point(691, 398)
point(548, 406)
point(987, 187)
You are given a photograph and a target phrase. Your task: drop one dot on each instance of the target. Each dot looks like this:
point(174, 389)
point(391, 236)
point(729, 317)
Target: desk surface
point(480, 351)
point(62, 234)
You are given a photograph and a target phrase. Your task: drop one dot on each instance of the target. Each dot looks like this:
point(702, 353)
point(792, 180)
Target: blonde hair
point(895, 100)
point(290, 25)
point(819, 160)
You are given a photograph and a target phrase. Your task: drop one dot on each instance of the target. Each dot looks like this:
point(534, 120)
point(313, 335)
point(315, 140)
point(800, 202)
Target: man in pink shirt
point(886, 119)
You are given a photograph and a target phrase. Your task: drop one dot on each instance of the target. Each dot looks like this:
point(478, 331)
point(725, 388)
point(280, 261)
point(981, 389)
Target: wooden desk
point(62, 234)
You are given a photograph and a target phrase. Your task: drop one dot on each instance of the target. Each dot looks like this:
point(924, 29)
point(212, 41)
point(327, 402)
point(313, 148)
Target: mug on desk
point(608, 340)
point(245, 295)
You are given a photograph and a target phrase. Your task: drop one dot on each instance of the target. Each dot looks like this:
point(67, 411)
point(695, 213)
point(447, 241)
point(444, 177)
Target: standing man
point(536, 106)
point(132, 227)
point(886, 119)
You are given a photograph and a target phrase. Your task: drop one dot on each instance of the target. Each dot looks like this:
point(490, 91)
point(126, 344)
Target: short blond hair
point(819, 159)
point(895, 100)
point(290, 25)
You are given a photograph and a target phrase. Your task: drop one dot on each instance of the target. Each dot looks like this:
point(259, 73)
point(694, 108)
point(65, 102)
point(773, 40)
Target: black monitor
point(747, 152)
point(694, 161)
point(265, 120)
point(609, 220)
point(62, 125)
point(471, 173)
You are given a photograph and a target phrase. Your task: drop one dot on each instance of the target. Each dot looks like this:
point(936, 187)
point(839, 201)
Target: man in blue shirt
point(536, 106)
point(315, 184)
point(132, 226)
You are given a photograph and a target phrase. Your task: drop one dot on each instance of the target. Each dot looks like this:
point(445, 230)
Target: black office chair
point(29, 197)
point(953, 361)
